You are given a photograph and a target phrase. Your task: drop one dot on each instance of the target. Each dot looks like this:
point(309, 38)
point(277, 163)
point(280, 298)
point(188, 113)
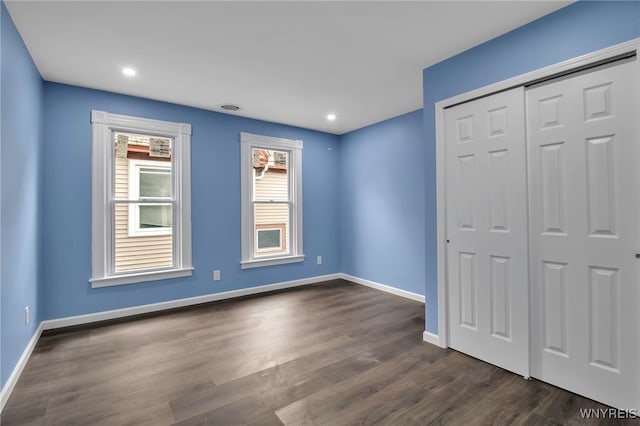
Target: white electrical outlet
point(216, 275)
point(319, 260)
point(26, 315)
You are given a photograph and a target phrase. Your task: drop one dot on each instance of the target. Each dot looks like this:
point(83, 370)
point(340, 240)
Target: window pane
point(155, 183)
point(269, 239)
point(155, 216)
point(271, 229)
point(151, 246)
point(270, 175)
point(142, 166)
point(143, 233)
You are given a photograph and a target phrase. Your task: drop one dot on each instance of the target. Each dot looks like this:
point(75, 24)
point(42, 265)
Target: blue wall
point(382, 204)
point(215, 203)
point(21, 172)
point(575, 30)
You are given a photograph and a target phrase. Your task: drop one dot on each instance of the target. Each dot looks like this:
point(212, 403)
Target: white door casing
point(583, 140)
point(486, 204)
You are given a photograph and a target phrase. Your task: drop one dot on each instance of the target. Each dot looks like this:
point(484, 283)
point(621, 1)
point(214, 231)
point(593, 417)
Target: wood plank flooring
point(333, 354)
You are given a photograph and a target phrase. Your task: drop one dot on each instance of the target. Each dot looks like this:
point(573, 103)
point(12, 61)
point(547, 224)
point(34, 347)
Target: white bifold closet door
point(487, 229)
point(584, 163)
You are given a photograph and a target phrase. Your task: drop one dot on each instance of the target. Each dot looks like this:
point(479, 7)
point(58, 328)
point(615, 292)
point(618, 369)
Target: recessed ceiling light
point(129, 72)
point(331, 117)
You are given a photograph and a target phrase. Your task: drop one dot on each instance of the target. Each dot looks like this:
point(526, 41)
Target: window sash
point(277, 192)
point(262, 253)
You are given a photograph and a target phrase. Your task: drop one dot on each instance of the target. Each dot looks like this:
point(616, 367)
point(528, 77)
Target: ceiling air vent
point(230, 107)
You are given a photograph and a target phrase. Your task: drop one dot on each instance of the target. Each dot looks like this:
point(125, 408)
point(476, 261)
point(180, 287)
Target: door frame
point(628, 48)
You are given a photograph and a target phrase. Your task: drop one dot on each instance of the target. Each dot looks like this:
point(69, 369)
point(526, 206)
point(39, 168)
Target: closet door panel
point(583, 154)
point(487, 229)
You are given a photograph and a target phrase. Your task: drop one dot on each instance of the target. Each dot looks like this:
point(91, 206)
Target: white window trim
point(248, 142)
point(134, 194)
point(102, 212)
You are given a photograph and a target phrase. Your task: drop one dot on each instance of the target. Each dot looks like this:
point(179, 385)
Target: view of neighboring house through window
point(149, 180)
point(141, 214)
point(271, 201)
point(143, 207)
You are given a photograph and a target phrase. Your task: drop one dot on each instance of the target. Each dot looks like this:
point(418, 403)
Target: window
point(141, 213)
point(149, 180)
point(271, 238)
point(271, 188)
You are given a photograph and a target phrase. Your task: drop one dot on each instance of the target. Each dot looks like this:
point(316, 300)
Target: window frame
point(248, 142)
point(134, 193)
point(103, 125)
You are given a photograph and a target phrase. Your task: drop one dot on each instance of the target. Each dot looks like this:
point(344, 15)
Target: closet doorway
point(542, 242)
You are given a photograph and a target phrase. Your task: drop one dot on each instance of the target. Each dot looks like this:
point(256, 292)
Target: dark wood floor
point(328, 354)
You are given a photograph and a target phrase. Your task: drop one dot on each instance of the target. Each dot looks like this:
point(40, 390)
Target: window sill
point(140, 277)
point(256, 263)
point(136, 234)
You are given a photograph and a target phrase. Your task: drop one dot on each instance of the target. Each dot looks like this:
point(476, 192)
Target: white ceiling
point(287, 62)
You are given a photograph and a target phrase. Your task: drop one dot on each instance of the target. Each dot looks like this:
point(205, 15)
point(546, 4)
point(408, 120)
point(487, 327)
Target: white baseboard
point(383, 287)
point(179, 303)
point(434, 339)
point(5, 393)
